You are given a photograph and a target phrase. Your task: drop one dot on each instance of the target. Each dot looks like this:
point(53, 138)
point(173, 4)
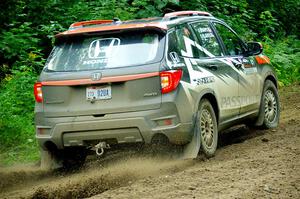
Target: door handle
point(211, 66)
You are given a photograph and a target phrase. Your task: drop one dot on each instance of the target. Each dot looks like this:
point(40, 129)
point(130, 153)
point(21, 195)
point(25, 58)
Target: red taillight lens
point(169, 80)
point(38, 94)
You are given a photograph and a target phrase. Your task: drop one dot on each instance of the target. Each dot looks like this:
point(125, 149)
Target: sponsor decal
point(95, 61)
point(204, 80)
point(176, 62)
point(201, 76)
point(249, 66)
point(174, 57)
point(188, 53)
point(100, 50)
point(235, 101)
point(247, 63)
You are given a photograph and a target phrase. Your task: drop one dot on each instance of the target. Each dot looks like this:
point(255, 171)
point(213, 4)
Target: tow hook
point(99, 148)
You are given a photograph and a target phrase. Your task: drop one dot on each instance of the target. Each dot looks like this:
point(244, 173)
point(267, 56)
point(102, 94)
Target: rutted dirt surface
point(249, 164)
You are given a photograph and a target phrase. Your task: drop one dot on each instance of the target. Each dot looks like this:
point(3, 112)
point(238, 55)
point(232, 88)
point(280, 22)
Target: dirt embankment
point(249, 164)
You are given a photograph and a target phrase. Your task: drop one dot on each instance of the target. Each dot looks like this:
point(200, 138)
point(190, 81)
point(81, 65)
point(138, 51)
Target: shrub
point(285, 57)
point(16, 113)
point(17, 135)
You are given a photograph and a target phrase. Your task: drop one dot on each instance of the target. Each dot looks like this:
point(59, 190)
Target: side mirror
point(254, 48)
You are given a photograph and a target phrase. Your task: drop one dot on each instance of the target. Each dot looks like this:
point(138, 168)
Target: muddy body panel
point(63, 101)
point(117, 128)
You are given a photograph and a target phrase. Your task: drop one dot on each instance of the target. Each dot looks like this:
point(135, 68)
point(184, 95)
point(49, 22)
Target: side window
point(181, 41)
point(173, 49)
point(207, 39)
point(232, 42)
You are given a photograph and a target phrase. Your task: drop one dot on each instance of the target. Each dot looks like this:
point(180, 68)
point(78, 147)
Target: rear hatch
point(102, 74)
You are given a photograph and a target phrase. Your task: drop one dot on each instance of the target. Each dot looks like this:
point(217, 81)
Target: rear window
point(105, 52)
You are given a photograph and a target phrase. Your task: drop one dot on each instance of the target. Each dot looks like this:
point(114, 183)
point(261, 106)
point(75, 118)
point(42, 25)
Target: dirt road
point(249, 164)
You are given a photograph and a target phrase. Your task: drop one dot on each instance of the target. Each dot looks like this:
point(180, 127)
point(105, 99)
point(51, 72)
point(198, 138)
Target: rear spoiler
point(161, 27)
point(81, 24)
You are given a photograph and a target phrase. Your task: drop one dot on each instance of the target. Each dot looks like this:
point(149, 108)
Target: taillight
point(169, 80)
point(38, 94)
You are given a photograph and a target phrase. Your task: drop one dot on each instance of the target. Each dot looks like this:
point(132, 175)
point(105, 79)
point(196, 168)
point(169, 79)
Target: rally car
point(183, 77)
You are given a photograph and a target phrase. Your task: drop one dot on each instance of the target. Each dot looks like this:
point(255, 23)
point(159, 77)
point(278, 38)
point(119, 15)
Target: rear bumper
point(130, 127)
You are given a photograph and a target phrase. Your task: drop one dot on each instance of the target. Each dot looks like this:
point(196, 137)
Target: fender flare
point(272, 74)
point(200, 96)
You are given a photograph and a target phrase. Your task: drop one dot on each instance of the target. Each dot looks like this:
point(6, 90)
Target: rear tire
point(73, 158)
point(68, 159)
point(208, 128)
point(49, 160)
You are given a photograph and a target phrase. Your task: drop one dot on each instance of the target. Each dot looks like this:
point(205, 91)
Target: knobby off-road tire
point(73, 158)
point(270, 106)
point(49, 161)
point(207, 127)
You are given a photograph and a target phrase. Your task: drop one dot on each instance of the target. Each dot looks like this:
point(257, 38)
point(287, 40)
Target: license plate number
point(98, 93)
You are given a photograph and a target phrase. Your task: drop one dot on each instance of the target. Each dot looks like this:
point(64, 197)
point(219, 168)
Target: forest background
point(28, 27)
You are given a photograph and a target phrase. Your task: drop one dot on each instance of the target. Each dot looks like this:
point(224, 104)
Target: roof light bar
point(187, 13)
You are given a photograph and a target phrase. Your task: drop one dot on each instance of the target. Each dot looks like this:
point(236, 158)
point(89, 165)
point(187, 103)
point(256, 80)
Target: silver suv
point(183, 77)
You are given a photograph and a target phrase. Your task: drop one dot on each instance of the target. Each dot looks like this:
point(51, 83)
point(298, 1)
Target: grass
point(17, 138)
point(19, 154)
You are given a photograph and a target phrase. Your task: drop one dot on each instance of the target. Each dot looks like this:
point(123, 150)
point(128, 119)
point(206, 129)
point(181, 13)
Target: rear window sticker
point(101, 49)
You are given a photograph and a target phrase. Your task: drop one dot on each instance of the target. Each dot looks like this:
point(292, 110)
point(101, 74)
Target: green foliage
point(285, 12)
point(285, 57)
point(15, 42)
point(27, 151)
point(17, 140)
point(17, 104)
point(236, 13)
point(268, 24)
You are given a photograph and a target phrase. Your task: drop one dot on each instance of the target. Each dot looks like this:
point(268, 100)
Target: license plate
point(98, 93)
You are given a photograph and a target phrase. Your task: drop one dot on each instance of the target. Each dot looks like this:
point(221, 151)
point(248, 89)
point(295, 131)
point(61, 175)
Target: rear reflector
point(169, 80)
point(38, 94)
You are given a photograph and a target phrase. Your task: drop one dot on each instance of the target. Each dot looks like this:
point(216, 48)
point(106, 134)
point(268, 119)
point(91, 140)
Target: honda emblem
point(96, 76)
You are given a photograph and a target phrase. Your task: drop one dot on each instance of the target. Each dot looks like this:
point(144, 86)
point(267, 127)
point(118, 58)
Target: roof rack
point(186, 13)
point(87, 23)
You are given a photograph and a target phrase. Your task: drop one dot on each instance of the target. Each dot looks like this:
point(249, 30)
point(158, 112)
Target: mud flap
point(261, 115)
point(191, 150)
point(48, 161)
